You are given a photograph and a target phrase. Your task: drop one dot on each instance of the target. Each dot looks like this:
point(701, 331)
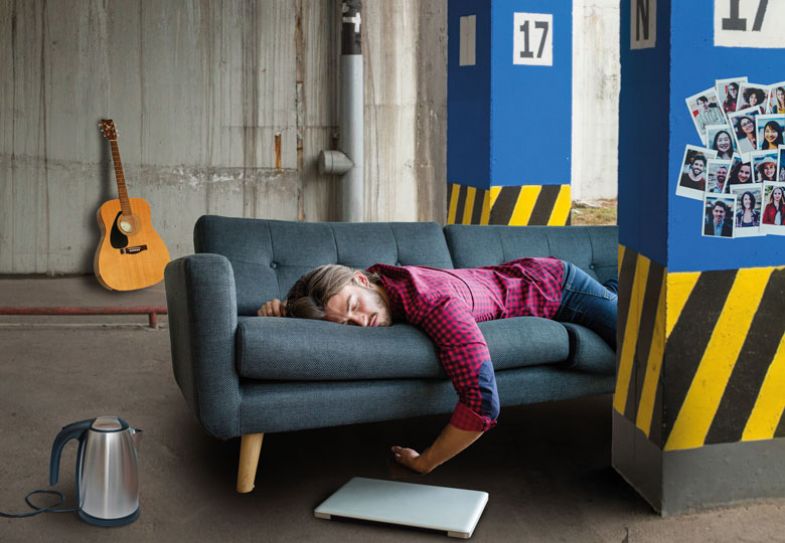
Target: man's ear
point(361, 278)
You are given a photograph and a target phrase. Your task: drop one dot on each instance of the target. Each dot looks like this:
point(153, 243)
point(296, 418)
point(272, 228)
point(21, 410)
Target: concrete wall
point(202, 91)
point(596, 83)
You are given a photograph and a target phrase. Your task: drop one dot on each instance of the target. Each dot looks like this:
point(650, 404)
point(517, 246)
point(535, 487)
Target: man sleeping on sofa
point(447, 305)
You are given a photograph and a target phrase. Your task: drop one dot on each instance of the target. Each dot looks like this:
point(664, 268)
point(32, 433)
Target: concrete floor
point(546, 467)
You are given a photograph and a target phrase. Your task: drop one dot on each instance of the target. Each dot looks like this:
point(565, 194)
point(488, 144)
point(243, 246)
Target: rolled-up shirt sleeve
point(465, 358)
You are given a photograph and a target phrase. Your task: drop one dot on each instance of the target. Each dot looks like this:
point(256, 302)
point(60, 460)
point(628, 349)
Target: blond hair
point(310, 293)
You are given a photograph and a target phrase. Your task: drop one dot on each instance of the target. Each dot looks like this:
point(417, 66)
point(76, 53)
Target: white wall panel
point(596, 84)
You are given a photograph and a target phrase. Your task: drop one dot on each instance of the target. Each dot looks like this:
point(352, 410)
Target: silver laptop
point(451, 510)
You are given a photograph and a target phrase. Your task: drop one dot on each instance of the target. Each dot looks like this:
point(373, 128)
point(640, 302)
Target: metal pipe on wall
point(349, 160)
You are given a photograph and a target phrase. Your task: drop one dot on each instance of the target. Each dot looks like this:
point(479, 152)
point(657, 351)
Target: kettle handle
point(72, 431)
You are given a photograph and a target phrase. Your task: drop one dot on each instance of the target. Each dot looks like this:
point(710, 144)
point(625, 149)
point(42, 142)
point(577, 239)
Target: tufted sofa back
point(269, 256)
point(592, 248)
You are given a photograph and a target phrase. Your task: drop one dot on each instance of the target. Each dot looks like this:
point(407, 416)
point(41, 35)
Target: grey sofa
point(244, 375)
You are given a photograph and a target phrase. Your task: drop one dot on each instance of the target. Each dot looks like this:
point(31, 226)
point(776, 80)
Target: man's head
point(703, 102)
point(719, 211)
point(339, 294)
point(722, 175)
point(698, 165)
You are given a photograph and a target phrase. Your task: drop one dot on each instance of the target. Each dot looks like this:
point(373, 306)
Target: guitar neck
point(122, 190)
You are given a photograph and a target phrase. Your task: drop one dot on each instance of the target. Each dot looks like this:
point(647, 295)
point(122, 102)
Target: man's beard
point(383, 314)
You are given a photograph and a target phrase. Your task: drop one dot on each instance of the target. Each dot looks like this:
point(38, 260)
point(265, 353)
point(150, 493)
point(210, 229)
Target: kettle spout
point(136, 434)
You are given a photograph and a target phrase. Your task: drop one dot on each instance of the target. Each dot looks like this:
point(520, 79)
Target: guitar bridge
point(133, 250)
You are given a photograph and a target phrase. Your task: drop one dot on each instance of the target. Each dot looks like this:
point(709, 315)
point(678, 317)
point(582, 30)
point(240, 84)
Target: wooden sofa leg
point(250, 447)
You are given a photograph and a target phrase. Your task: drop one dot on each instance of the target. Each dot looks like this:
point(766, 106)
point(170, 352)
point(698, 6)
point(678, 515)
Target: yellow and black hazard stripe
point(701, 356)
point(640, 341)
point(468, 205)
point(514, 206)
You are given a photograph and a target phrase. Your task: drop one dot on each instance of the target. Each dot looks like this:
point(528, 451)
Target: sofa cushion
point(272, 348)
point(268, 256)
point(592, 248)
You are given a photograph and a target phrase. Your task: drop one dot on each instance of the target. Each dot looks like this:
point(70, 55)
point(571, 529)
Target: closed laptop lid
point(453, 510)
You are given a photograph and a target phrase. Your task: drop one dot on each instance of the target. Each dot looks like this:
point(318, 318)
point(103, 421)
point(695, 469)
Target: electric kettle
point(107, 474)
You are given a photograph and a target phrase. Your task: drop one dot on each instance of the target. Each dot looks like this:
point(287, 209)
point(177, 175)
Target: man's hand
point(410, 459)
point(450, 442)
point(273, 308)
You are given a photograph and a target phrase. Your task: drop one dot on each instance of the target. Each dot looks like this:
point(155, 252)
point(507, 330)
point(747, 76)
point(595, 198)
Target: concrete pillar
point(509, 100)
point(700, 391)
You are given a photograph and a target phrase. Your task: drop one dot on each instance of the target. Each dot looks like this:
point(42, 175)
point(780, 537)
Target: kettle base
point(109, 522)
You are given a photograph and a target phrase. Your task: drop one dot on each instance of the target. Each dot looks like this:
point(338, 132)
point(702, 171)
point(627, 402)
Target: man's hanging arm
point(464, 356)
point(450, 442)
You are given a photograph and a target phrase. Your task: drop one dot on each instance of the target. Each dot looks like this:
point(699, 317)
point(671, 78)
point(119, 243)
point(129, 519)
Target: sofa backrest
point(269, 256)
point(592, 248)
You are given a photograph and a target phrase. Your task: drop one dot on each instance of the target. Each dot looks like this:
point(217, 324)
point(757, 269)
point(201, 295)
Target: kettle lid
point(109, 424)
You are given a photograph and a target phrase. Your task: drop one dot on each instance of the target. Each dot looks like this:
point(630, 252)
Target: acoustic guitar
point(131, 254)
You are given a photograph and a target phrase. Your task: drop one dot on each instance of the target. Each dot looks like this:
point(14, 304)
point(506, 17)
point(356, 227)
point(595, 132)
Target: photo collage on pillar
point(737, 168)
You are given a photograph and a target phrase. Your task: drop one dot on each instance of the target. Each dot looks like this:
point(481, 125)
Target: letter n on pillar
point(509, 131)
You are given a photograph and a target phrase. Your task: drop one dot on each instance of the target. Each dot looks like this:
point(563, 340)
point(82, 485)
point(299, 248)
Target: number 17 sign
point(749, 23)
point(533, 39)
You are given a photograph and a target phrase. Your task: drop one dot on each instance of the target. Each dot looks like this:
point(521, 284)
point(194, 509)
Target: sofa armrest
point(202, 304)
point(588, 352)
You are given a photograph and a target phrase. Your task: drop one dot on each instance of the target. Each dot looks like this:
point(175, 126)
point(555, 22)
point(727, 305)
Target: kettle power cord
point(38, 510)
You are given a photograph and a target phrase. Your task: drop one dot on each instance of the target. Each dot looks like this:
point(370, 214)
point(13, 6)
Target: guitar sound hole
point(117, 239)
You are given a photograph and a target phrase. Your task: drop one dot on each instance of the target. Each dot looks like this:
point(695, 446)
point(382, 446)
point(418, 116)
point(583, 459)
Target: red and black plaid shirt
point(448, 304)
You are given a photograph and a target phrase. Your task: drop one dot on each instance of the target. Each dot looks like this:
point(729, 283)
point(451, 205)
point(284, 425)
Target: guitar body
point(131, 254)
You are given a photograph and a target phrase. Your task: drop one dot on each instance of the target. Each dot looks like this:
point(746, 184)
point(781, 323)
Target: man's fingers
point(408, 458)
point(403, 454)
point(273, 308)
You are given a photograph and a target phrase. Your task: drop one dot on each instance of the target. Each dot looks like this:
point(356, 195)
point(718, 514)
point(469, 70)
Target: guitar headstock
point(108, 129)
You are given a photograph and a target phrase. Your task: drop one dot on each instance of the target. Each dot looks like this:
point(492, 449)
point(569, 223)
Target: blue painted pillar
point(700, 391)
point(509, 104)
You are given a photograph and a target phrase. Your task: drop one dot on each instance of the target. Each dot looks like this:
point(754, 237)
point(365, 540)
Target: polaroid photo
point(753, 95)
point(770, 130)
point(705, 110)
point(773, 218)
point(749, 204)
point(692, 173)
point(743, 125)
point(781, 164)
point(728, 93)
point(718, 213)
point(740, 172)
point(719, 138)
point(776, 102)
point(764, 166)
point(717, 176)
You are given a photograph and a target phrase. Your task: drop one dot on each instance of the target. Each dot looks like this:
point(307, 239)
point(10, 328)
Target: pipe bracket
point(334, 162)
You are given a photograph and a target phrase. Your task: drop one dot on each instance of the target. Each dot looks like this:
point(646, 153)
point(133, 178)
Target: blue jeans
point(586, 302)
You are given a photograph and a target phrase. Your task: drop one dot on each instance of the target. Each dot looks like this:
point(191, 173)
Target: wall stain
point(277, 150)
point(250, 99)
point(299, 101)
point(9, 236)
point(46, 223)
point(430, 131)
